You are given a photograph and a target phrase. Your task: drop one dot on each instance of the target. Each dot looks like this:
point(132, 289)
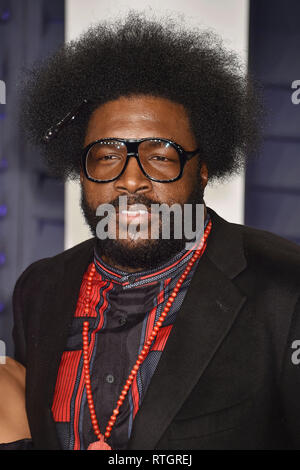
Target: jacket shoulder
point(39, 277)
point(75, 251)
point(55, 262)
point(266, 250)
point(263, 252)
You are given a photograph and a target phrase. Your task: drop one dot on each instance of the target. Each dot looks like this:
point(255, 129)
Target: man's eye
point(159, 158)
point(107, 157)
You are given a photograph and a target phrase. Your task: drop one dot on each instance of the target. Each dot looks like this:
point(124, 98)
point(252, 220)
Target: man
point(138, 342)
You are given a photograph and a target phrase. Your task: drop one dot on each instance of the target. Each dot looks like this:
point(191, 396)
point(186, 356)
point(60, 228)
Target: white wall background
point(229, 19)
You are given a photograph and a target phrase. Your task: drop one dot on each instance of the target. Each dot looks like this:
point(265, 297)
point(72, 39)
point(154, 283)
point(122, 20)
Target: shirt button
point(131, 279)
point(110, 378)
point(122, 320)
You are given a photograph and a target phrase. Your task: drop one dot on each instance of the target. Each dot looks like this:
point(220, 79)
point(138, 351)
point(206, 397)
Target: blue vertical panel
point(272, 192)
point(31, 201)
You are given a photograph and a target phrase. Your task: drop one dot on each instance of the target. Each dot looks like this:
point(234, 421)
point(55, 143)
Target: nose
point(133, 179)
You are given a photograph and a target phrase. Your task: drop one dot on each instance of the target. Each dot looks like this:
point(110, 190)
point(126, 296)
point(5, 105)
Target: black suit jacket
point(227, 378)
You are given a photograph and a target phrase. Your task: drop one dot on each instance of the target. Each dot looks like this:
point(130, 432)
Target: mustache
point(134, 200)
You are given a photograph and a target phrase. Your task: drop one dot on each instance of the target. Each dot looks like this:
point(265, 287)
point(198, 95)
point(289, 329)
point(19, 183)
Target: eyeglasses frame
point(132, 146)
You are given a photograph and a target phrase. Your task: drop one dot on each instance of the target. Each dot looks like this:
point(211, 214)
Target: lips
point(133, 214)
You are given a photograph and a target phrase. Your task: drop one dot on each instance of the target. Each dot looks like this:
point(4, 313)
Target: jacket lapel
point(209, 309)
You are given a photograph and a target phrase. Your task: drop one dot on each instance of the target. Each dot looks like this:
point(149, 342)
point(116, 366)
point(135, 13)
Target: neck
point(127, 269)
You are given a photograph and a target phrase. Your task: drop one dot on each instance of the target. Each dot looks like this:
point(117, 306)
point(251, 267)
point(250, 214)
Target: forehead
point(137, 117)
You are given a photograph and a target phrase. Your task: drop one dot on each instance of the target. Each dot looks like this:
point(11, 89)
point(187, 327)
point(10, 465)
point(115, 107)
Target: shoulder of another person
point(12, 372)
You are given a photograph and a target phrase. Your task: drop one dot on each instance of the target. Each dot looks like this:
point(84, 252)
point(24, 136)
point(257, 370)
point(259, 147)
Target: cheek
point(181, 190)
point(96, 193)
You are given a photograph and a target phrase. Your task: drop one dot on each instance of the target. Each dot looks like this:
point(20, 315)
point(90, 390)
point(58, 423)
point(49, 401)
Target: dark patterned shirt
point(124, 309)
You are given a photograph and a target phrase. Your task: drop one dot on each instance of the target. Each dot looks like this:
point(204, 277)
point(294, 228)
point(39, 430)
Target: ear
point(204, 174)
point(81, 176)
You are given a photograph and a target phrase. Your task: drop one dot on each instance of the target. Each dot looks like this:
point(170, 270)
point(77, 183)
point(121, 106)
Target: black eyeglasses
point(160, 160)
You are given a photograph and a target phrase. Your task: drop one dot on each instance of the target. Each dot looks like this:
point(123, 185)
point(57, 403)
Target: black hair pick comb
point(52, 132)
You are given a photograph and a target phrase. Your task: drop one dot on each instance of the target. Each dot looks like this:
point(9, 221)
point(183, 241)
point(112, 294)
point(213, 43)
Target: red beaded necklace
point(100, 444)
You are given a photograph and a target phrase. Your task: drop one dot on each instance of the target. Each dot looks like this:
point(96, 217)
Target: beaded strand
point(143, 354)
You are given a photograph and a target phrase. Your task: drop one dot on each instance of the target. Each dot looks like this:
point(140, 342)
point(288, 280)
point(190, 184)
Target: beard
point(140, 254)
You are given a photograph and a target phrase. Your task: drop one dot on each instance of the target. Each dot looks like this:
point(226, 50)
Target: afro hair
point(142, 56)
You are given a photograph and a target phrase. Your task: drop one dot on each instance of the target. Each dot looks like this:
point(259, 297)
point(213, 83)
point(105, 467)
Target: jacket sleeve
point(290, 380)
point(20, 314)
